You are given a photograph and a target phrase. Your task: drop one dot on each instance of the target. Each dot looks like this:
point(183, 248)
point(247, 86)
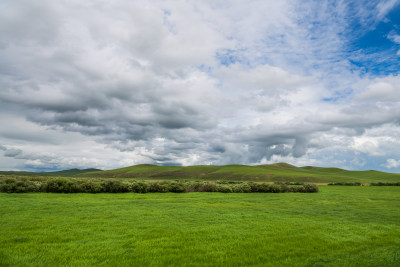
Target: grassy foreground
point(340, 226)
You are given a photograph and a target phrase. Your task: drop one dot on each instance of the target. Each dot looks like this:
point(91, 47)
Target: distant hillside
point(71, 172)
point(272, 172)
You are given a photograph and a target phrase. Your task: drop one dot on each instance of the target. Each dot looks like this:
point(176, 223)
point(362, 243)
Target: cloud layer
point(110, 84)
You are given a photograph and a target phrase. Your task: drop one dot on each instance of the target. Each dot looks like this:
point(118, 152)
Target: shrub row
point(290, 183)
point(346, 184)
point(70, 185)
point(385, 184)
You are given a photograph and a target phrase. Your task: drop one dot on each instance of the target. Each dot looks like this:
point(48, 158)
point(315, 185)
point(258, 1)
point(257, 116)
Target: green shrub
point(156, 187)
point(114, 186)
point(285, 188)
point(139, 187)
point(175, 187)
point(72, 185)
point(90, 187)
point(13, 185)
point(8, 185)
point(310, 188)
point(241, 188)
point(59, 185)
point(227, 182)
point(289, 183)
point(207, 187)
point(385, 184)
point(346, 184)
point(273, 188)
point(223, 188)
point(261, 188)
point(193, 186)
point(255, 188)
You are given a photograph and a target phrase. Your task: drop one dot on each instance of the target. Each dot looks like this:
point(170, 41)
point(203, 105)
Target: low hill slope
point(273, 173)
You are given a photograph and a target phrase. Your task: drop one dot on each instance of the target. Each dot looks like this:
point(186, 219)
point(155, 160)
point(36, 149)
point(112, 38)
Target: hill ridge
point(268, 172)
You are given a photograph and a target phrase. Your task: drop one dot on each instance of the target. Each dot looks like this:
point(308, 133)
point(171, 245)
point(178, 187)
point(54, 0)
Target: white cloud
point(384, 7)
point(394, 37)
point(392, 163)
point(381, 89)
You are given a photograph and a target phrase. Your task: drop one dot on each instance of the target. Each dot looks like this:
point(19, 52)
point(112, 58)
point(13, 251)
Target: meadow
point(339, 226)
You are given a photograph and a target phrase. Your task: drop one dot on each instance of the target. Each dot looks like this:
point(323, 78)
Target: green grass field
point(339, 226)
point(263, 173)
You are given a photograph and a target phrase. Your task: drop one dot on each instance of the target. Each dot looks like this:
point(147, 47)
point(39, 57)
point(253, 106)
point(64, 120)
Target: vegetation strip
point(385, 184)
point(72, 185)
point(347, 184)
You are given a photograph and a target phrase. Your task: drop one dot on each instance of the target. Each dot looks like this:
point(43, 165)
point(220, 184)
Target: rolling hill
point(278, 172)
point(266, 173)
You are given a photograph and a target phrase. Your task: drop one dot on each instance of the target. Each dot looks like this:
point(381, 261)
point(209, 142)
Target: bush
point(114, 186)
point(346, 184)
point(193, 186)
point(227, 182)
point(274, 188)
point(71, 185)
point(158, 187)
point(207, 187)
point(289, 183)
point(12, 185)
point(385, 184)
point(175, 187)
point(59, 185)
point(139, 187)
point(224, 189)
point(90, 187)
point(242, 188)
point(310, 188)
point(262, 188)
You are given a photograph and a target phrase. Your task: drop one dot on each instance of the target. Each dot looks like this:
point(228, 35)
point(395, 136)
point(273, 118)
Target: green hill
point(278, 172)
point(266, 173)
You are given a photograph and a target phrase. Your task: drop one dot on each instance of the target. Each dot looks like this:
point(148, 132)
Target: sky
point(109, 84)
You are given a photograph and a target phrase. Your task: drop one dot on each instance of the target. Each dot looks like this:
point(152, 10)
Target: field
point(339, 226)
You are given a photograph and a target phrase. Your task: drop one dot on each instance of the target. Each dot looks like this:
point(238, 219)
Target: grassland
point(263, 173)
point(340, 226)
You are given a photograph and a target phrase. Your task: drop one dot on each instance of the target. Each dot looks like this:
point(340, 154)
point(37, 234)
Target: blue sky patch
point(371, 48)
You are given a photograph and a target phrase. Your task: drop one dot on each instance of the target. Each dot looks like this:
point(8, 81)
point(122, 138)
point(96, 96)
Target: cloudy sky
point(108, 84)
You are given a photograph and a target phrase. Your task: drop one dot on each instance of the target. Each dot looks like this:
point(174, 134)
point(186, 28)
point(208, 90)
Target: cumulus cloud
point(382, 89)
point(392, 163)
point(109, 84)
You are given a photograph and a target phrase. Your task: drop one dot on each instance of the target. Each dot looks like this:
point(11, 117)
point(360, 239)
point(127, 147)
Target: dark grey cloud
point(12, 153)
